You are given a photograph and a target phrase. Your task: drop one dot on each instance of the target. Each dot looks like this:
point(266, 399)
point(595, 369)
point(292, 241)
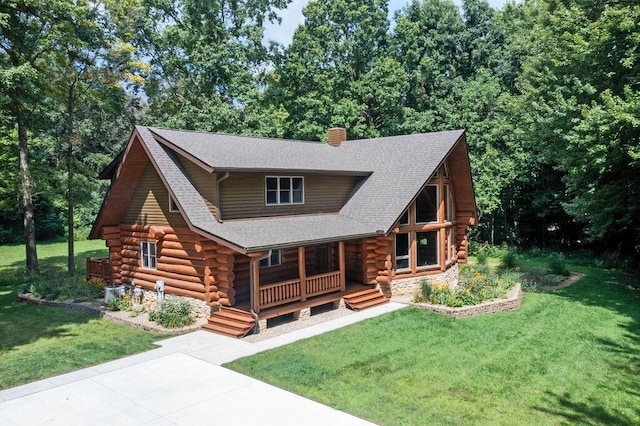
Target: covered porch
point(328, 275)
point(296, 280)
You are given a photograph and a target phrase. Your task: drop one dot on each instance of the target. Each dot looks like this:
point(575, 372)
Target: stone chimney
point(336, 135)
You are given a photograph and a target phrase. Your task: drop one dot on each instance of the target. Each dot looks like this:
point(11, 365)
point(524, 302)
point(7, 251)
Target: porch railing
point(323, 283)
point(279, 293)
point(99, 267)
point(289, 291)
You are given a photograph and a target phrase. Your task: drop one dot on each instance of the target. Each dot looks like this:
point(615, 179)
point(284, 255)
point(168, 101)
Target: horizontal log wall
point(189, 264)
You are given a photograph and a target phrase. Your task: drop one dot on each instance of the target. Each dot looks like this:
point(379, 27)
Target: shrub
point(482, 257)
point(509, 259)
point(557, 264)
point(123, 303)
point(174, 313)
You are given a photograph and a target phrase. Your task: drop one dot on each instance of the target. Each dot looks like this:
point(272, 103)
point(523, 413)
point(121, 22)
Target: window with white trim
point(274, 260)
point(173, 207)
point(284, 190)
point(148, 254)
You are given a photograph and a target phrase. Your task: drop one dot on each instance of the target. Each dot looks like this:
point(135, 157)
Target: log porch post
point(441, 217)
point(341, 262)
point(255, 265)
point(302, 271)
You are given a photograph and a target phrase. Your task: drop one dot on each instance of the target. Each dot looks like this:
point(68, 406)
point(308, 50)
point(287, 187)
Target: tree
point(87, 78)
point(206, 58)
point(579, 88)
point(337, 70)
point(28, 33)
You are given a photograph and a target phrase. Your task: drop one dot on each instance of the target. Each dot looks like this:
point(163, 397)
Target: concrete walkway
point(182, 382)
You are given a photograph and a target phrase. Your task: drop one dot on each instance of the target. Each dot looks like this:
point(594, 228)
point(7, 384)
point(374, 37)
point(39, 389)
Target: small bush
point(123, 303)
point(557, 264)
point(482, 257)
point(509, 259)
point(173, 314)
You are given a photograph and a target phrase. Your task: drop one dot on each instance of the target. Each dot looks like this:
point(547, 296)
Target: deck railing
point(279, 293)
point(99, 267)
point(289, 291)
point(323, 283)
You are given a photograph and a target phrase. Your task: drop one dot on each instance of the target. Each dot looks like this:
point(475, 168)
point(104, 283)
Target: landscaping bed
point(96, 308)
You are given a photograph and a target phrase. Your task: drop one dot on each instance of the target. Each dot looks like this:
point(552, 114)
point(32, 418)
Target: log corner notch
point(377, 260)
point(464, 220)
point(189, 264)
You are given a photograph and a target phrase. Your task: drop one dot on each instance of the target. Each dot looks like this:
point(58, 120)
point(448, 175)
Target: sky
point(292, 17)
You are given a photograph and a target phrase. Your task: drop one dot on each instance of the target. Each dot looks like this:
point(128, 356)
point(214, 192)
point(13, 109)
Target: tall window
point(402, 251)
point(426, 240)
point(148, 251)
point(284, 190)
point(427, 248)
point(427, 205)
point(274, 260)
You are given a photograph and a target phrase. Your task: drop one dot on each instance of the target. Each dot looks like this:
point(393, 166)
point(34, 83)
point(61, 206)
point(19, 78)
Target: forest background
point(547, 90)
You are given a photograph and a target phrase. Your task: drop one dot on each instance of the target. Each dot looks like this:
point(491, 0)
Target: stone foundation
point(302, 314)
point(150, 301)
point(410, 286)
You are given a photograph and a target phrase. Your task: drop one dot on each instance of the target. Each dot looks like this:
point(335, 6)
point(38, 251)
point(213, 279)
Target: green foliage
point(476, 285)
point(509, 259)
point(173, 314)
point(557, 264)
point(123, 303)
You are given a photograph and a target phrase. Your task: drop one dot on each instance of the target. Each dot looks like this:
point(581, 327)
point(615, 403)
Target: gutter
point(218, 181)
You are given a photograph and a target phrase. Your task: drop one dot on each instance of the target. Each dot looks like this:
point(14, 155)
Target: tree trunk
point(71, 261)
point(27, 196)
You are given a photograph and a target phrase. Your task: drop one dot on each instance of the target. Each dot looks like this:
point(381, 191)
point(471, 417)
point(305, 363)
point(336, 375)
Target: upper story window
point(284, 190)
point(274, 260)
point(427, 205)
point(148, 254)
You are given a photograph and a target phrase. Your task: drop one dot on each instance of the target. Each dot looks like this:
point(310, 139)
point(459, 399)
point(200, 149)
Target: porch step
point(365, 299)
point(230, 322)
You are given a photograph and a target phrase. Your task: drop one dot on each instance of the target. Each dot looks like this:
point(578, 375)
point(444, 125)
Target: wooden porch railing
point(290, 291)
point(99, 267)
point(279, 293)
point(323, 283)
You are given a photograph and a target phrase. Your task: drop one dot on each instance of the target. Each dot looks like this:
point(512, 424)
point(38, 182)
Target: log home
point(257, 228)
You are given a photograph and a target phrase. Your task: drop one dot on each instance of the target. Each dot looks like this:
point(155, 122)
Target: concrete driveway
point(181, 382)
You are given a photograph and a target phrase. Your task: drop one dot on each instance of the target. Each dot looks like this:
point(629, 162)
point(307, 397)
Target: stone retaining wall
point(411, 286)
point(510, 303)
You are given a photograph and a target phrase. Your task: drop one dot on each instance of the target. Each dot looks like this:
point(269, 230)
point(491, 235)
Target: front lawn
point(40, 341)
point(568, 356)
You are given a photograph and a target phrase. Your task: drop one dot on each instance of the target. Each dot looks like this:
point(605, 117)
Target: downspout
point(218, 181)
point(251, 295)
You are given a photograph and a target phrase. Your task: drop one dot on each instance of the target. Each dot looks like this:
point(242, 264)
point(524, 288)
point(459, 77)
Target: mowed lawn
point(568, 356)
point(40, 341)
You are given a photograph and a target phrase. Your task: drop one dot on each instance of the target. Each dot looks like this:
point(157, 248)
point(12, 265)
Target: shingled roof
point(394, 168)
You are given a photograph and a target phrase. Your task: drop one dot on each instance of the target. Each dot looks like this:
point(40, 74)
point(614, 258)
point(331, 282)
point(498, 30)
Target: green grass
point(572, 356)
point(40, 341)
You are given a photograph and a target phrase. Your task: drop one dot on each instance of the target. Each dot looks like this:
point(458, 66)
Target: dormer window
point(284, 190)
